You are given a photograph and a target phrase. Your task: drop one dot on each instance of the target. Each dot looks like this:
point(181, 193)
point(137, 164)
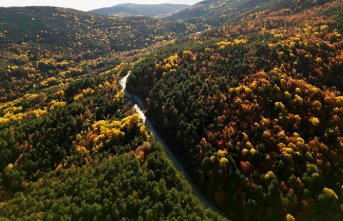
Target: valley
point(225, 110)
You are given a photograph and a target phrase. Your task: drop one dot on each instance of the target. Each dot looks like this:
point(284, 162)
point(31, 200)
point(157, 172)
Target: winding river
point(138, 106)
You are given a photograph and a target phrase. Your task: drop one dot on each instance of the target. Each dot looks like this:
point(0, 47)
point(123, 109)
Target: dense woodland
point(150, 10)
point(46, 46)
point(76, 31)
point(212, 13)
point(71, 146)
point(78, 151)
point(255, 110)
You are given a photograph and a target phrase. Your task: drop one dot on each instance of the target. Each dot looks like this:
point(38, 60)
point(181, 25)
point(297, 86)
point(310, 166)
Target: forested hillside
point(78, 151)
point(59, 28)
point(217, 12)
point(150, 10)
point(252, 107)
point(44, 46)
point(213, 13)
point(71, 146)
point(255, 110)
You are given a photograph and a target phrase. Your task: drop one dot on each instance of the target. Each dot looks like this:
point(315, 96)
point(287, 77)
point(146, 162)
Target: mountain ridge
point(150, 10)
point(59, 27)
point(216, 12)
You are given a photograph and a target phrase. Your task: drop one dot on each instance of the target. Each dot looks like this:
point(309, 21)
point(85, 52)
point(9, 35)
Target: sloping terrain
point(216, 12)
point(155, 10)
point(254, 109)
point(61, 28)
point(71, 146)
point(45, 42)
point(77, 150)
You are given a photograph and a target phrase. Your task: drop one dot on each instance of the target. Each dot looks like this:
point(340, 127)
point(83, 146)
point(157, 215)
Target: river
point(138, 106)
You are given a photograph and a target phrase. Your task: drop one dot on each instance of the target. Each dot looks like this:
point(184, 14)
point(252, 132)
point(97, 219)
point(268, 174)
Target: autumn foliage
point(256, 108)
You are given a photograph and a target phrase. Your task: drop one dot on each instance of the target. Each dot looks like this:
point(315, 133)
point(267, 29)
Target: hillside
point(155, 10)
point(216, 12)
point(249, 111)
point(48, 41)
point(72, 147)
point(61, 28)
point(254, 109)
point(76, 150)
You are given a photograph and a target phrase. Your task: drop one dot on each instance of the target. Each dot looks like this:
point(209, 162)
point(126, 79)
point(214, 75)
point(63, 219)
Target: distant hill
point(71, 34)
point(61, 27)
point(219, 12)
point(125, 10)
point(216, 12)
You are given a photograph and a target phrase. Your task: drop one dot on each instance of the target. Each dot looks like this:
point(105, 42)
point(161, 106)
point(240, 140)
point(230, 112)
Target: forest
point(91, 34)
point(254, 109)
point(71, 146)
point(78, 149)
point(247, 94)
